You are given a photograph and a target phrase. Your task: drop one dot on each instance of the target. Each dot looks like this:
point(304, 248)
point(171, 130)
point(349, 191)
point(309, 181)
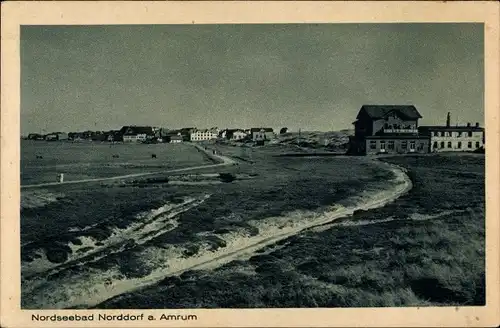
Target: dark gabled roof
point(381, 111)
point(133, 130)
point(252, 130)
point(460, 128)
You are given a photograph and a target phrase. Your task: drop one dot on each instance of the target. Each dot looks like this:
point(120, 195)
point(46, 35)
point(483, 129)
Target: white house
point(454, 138)
point(239, 135)
point(205, 134)
point(135, 137)
point(137, 133)
point(233, 134)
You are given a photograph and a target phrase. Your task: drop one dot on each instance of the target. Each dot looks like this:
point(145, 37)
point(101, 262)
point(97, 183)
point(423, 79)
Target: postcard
point(250, 164)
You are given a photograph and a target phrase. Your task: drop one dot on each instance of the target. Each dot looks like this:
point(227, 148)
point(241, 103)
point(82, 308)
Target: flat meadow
point(41, 162)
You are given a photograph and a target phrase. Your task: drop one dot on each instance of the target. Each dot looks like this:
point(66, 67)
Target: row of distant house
point(49, 137)
point(148, 134)
point(394, 129)
point(253, 134)
point(377, 129)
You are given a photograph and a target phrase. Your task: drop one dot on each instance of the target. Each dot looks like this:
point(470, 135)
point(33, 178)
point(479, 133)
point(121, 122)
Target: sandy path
point(225, 161)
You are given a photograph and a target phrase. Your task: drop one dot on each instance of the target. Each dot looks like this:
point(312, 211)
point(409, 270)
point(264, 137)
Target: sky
point(307, 76)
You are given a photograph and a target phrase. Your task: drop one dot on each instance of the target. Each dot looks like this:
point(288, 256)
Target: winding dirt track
point(225, 161)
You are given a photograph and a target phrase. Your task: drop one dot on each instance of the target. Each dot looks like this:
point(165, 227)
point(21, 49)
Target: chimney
point(477, 124)
point(448, 120)
point(468, 125)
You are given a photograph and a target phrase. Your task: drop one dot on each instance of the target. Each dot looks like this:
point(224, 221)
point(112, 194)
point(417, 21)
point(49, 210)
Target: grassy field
point(93, 160)
point(426, 248)
point(91, 229)
point(105, 238)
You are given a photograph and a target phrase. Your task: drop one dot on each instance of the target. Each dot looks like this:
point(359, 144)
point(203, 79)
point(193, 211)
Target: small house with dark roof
point(56, 136)
point(387, 129)
point(445, 138)
point(262, 134)
point(175, 139)
point(233, 134)
point(137, 133)
point(35, 136)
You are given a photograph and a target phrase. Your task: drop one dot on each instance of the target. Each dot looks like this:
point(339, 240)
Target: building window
point(442, 144)
point(477, 144)
point(459, 134)
point(382, 145)
point(449, 144)
point(412, 144)
point(404, 144)
point(469, 144)
point(421, 146)
point(391, 144)
point(470, 133)
point(373, 145)
point(435, 144)
point(459, 145)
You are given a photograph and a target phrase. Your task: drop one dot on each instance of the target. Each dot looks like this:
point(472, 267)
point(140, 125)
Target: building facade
point(233, 134)
point(51, 137)
point(176, 139)
point(137, 133)
point(56, 136)
point(391, 129)
point(262, 134)
point(396, 144)
point(239, 135)
point(35, 136)
point(203, 135)
point(454, 138)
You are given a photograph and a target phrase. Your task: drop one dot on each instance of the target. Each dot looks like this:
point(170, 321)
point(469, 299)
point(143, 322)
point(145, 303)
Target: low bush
point(215, 242)
point(191, 249)
point(227, 177)
point(57, 253)
point(170, 281)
